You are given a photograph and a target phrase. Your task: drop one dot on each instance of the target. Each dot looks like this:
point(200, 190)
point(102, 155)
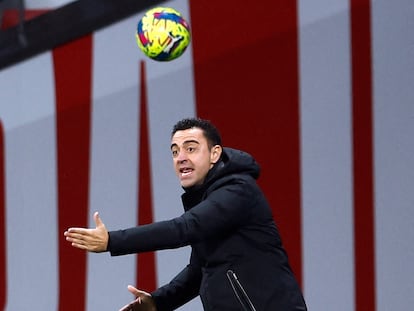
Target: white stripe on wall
point(393, 58)
point(27, 111)
point(113, 180)
point(326, 155)
point(171, 97)
point(114, 138)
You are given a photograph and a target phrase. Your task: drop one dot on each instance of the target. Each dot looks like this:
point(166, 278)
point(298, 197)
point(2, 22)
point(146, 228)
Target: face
point(192, 156)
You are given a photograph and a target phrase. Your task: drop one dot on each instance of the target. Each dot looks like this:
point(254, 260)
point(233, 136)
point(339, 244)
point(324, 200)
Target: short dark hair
point(209, 130)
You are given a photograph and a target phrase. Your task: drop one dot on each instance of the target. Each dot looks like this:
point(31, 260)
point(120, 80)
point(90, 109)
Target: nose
point(181, 157)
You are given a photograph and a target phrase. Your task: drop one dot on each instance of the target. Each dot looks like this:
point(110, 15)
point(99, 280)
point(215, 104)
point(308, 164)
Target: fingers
point(142, 302)
point(81, 246)
point(92, 243)
point(78, 235)
point(76, 232)
point(93, 239)
point(130, 306)
point(77, 240)
point(125, 308)
point(74, 236)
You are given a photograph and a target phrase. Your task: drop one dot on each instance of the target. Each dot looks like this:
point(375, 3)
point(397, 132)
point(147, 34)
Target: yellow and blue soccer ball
point(163, 34)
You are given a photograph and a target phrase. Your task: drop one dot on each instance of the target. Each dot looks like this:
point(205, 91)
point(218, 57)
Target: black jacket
point(229, 225)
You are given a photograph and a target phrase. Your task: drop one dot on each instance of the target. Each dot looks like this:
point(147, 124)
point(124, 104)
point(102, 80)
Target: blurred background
point(319, 92)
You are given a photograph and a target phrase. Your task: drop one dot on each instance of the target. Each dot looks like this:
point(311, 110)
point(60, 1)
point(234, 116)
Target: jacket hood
point(233, 161)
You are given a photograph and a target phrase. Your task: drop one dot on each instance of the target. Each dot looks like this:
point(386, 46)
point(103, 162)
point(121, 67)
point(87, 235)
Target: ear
point(215, 153)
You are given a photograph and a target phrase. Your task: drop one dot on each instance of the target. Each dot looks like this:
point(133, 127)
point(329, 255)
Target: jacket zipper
point(239, 291)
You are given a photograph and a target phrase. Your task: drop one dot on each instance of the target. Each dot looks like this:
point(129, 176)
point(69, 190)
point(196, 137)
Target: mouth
point(185, 171)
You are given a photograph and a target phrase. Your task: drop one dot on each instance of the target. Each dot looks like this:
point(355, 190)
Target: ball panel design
point(163, 34)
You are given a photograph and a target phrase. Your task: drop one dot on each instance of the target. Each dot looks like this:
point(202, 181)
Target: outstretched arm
point(143, 301)
point(92, 240)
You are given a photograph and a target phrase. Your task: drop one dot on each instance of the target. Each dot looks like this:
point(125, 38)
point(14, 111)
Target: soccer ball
point(163, 34)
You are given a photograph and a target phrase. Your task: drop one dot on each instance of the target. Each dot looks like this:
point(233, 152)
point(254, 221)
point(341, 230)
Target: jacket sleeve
point(183, 288)
point(223, 210)
point(151, 237)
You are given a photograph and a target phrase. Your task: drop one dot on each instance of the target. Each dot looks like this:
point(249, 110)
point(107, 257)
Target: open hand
point(92, 240)
point(143, 301)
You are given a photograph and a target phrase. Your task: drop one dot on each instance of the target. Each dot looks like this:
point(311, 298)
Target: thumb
point(98, 220)
point(137, 292)
point(133, 290)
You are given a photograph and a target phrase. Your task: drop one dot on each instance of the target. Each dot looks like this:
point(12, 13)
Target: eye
point(174, 153)
point(190, 149)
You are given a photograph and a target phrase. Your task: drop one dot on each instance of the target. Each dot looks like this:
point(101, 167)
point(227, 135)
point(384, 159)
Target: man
point(227, 222)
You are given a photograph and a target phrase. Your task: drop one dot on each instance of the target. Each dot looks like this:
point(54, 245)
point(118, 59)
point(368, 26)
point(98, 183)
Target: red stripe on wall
point(146, 267)
point(3, 248)
point(72, 66)
point(246, 82)
point(363, 155)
